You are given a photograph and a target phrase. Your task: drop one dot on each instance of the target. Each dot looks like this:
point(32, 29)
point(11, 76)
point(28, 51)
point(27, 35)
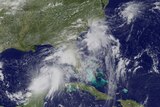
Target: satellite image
point(79, 53)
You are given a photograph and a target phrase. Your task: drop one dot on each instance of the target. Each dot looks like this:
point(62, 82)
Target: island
point(130, 103)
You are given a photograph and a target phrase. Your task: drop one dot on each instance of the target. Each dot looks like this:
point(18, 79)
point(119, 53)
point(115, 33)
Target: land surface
point(47, 22)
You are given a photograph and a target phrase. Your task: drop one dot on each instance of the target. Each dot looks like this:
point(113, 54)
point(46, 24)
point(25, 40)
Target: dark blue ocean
point(143, 85)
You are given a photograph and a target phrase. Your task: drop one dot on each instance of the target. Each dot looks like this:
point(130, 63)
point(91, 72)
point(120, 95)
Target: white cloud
point(156, 6)
point(65, 55)
point(49, 79)
point(1, 73)
point(131, 10)
point(19, 97)
point(52, 5)
point(96, 37)
point(11, 5)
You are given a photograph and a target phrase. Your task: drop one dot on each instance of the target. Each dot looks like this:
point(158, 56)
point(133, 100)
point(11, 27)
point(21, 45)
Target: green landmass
point(35, 101)
point(38, 100)
point(49, 22)
point(46, 22)
point(92, 90)
point(130, 103)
